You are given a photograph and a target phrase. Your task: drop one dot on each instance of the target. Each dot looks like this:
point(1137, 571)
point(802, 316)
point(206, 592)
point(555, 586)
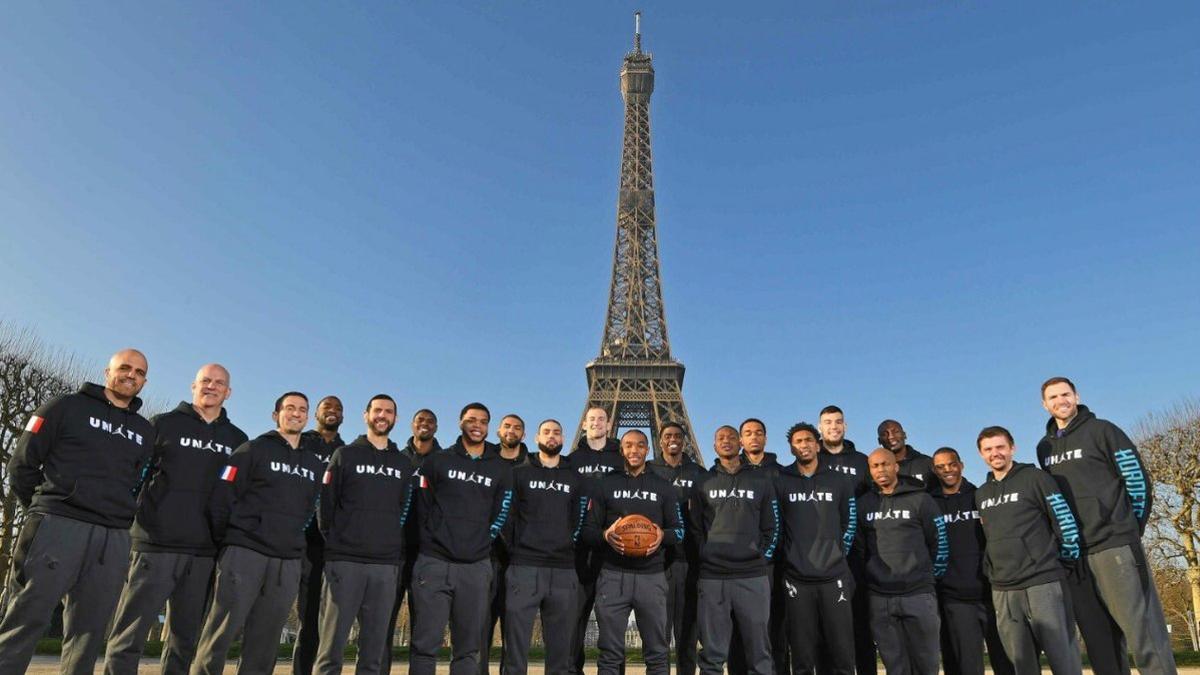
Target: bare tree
point(1170, 446)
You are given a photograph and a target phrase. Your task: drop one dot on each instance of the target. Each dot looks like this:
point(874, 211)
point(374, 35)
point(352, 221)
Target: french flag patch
point(328, 477)
point(229, 473)
point(424, 482)
point(35, 424)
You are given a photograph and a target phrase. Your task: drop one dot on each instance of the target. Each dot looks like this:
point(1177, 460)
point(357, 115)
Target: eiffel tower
point(635, 379)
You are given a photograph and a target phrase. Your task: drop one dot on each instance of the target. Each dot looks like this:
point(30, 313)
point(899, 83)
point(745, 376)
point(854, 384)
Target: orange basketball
point(636, 533)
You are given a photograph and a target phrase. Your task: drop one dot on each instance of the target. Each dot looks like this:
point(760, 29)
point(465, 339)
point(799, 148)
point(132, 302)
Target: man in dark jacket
point(1029, 528)
point(734, 516)
point(911, 462)
point(321, 441)
point(547, 518)
point(174, 549)
point(366, 498)
point(818, 515)
point(464, 501)
point(677, 468)
point(964, 599)
point(264, 500)
point(632, 584)
point(512, 450)
point(1102, 475)
point(75, 471)
point(904, 545)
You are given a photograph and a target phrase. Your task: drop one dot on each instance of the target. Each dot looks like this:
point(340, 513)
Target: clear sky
point(913, 210)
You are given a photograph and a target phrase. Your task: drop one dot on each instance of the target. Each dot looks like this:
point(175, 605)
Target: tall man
point(677, 468)
point(547, 517)
point(1029, 527)
point(265, 498)
point(365, 502)
point(75, 471)
point(513, 452)
point(910, 462)
point(1102, 475)
point(818, 515)
point(735, 517)
point(627, 583)
point(596, 454)
point(464, 500)
point(173, 545)
point(964, 599)
point(421, 444)
point(322, 442)
point(904, 543)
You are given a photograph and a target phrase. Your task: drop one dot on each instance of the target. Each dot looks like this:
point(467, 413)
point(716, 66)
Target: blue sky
point(914, 210)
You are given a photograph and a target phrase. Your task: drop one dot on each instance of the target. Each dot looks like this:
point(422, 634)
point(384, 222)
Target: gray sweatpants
point(721, 603)
point(553, 592)
point(182, 581)
point(618, 594)
point(445, 592)
point(55, 557)
point(1038, 617)
point(354, 590)
point(253, 592)
point(1123, 581)
point(906, 630)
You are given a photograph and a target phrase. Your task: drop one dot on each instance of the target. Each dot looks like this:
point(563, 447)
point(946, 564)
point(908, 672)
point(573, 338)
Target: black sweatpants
point(454, 593)
point(495, 615)
point(820, 619)
point(725, 603)
point(681, 614)
point(183, 582)
point(966, 628)
point(906, 628)
point(252, 595)
point(354, 590)
point(55, 557)
point(308, 602)
point(553, 592)
point(618, 594)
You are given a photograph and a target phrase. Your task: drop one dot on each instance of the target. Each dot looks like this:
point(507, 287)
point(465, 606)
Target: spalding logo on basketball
point(637, 534)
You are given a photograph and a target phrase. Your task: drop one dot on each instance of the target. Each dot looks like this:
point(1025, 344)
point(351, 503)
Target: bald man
point(173, 545)
point(75, 471)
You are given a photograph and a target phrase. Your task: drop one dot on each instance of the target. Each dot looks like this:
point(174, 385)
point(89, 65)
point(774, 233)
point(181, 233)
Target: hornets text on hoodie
point(818, 516)
point(266, 496)
point(82, 457)
point(189, 454)
point(964, 579)
point(464, 502)
point(735, 518)
point(1100, 471)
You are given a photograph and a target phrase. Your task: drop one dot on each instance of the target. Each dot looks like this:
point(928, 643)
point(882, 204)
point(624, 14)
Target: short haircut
point(381, 397)
point(672, 425)
point(803, 426)
point(750, 420)
point(331, 397)
point(829, 410)
point(279, 401)
point(1057, 380)
point(427, 411)
point(475, 406)
point(514, 416)
point(549, 420)
point(990, 432)
point(883, 425)
point(601, 408)
point(947, 450)
point(635, 431)
point(724, 426)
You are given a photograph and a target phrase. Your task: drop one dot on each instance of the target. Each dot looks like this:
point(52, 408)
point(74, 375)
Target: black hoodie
point(592, 465)
point(618, 495)
point(769, 462)
point(366, 498)
point(964, 579)
point(849, 462)
point(189, 454)
point(1100, 471)
point(683, 478)
point(266, 496)
point(735, 519)
point(818, 521)
point(521, 458)
point(417, 459)
point(82, 457)
point(412, 530)
point(903, 539)
point(918, 465)
point(548, 513)
point(464, 502)
point(1029, 527)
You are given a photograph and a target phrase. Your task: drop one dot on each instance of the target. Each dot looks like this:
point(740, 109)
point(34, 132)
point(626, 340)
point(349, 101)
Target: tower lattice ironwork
point(635, 379)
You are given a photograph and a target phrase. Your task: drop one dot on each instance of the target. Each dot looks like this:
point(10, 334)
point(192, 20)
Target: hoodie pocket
point(174, 516)
point(370, 529)
point(1010, 559)
point(97, 495)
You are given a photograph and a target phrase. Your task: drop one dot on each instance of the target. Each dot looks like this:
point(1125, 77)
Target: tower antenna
point(637, 31)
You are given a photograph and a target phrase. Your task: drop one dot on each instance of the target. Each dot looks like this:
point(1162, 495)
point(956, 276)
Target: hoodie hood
point(96, 391)
point(904, 485)
point(1082, 415)
point(610, 445)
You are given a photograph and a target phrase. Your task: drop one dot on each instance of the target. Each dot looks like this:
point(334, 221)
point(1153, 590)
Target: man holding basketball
point(632, 576)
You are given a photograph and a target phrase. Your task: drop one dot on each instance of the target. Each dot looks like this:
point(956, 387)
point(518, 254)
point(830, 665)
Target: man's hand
point(658, 537)
point(613, 540)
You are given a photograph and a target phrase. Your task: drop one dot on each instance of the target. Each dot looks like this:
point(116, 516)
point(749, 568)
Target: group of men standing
point(758, 566)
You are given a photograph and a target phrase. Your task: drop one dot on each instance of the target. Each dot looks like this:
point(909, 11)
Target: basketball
point(637, 534)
